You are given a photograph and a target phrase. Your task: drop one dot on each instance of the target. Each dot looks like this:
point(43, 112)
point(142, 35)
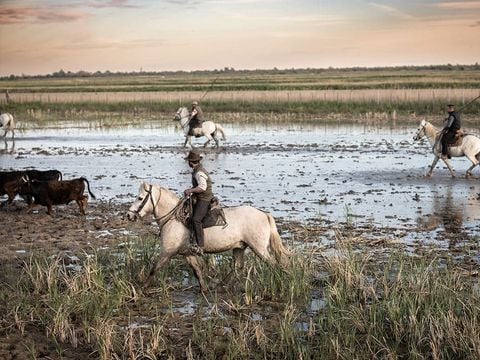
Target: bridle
point(144, 201)
point(179, 117)
point(420, 133)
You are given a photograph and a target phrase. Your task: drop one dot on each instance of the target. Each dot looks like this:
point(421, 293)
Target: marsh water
point(353, 173)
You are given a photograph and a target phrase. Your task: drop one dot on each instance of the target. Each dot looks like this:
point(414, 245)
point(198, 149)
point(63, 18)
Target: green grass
point(401, 308)
point(302, 79)
point(225, 111)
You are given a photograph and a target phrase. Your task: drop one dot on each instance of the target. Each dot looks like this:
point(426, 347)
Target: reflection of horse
point(448, 213)
point(7, 124)
point(247, 227)
point(470, 147)
point(208, 129)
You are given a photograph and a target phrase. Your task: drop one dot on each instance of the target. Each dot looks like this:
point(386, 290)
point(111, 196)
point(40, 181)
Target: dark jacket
point(206, 195)
point(453, 122)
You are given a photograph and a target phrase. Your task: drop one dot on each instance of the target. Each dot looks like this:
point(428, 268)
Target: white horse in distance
point(470, 147)
point(208, 129)
point(7, 124)
point(247, 227)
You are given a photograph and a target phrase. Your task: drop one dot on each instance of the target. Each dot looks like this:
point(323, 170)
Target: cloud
point(111, 4)
point(459, 5)
point(112, 44)
point(390, 10)
point(18, 15)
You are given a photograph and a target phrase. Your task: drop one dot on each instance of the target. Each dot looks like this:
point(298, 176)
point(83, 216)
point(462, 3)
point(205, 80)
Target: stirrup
point(197, 250)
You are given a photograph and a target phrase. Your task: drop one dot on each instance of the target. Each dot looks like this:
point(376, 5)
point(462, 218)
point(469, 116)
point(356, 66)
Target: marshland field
point(385, 261)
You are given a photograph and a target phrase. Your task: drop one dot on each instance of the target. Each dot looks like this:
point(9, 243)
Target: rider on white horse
point(202, 190)
point(451, 126)
point(196, 118)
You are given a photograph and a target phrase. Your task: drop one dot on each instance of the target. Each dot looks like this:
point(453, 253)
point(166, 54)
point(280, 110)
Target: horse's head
point(144, 204)
point(420, 131)
point(181, 113)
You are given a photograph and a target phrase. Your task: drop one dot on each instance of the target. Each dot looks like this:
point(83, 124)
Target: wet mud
point(321, 182)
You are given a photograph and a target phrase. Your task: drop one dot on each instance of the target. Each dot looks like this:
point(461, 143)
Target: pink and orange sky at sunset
point(44, 36)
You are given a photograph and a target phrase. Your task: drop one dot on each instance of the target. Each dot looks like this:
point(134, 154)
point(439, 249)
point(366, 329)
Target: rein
point(180, 118)
point(175, 212)
point(144, 201)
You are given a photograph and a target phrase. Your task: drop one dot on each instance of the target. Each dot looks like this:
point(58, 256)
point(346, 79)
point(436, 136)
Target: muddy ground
point(363, 184)
point(69, 234)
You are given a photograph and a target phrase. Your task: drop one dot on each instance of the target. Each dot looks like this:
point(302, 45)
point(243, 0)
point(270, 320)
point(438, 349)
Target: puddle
point(356, 174)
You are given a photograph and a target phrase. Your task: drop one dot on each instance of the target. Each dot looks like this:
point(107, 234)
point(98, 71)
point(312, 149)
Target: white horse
point(208, 129)
point(470, 147)
point(7, 124)
point(246, 227)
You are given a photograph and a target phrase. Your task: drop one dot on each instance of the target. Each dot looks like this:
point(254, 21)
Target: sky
point(44, 36)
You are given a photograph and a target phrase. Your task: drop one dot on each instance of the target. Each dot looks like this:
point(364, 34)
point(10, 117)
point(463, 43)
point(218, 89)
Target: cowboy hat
point(193, 156)
point(194, 102)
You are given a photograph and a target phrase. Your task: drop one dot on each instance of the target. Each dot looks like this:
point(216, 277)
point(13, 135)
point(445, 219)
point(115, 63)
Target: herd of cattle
point(44, 188)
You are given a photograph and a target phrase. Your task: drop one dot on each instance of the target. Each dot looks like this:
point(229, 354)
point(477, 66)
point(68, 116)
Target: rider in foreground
point(196, 118)
point(452, 125)
point(202, 190)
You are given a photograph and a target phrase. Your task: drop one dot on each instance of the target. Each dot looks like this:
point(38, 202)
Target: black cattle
point(53, 192)
point(13, 179)
point(44, 175)
point(11, 183)
point(41, 175)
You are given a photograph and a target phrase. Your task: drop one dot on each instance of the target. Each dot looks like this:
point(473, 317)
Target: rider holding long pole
point(196, 118)
point(451, 125)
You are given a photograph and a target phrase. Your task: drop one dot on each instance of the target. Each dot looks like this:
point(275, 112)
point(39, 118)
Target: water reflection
point(8, 149)
point(448, 213)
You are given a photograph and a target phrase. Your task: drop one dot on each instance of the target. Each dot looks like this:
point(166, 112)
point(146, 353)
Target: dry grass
point(255, 96)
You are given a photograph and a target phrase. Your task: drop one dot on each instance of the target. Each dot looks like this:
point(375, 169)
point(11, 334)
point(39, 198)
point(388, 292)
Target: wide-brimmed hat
point(451, 105)
point(194, 156)
point(194, 102)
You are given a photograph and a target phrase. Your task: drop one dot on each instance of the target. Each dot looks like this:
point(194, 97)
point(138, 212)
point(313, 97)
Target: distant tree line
point(230, 70)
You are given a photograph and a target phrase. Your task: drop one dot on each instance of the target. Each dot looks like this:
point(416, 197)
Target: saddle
point(459, 134)
point(214, 217)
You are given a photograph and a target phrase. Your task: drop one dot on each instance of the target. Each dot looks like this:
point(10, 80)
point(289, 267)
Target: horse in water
point(247, 227)
point(7, 124)
point(470, 147)
point(208, 129)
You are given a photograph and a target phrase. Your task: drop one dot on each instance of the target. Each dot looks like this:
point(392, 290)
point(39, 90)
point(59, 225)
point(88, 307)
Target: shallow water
point(341, 173)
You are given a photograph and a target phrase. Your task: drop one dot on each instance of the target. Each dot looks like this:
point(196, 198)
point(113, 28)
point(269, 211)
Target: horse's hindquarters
point(245, 225)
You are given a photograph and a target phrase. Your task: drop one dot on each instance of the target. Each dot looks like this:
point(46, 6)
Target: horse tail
point(220, 128)
point(88, 186)
point(276, 244)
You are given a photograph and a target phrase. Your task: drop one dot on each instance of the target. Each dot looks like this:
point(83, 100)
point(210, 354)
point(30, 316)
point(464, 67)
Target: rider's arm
point(450, 121)
point(193, 113)
point(202, 184)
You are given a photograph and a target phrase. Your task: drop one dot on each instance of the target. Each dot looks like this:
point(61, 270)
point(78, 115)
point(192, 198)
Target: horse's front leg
point(209, 139)
point(434, 163)
point(187, 140)
point(193, 261)
point(159, 263)
point(449, 166)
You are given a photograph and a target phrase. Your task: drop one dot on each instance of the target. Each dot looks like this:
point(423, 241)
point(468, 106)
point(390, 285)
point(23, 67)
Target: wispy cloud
point(112, 44)
point(390, 10)
point(17, 15)
point(299, 19)
point(459, 5)
point(111, 4)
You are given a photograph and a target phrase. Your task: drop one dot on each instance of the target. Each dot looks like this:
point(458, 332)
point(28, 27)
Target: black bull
point(48, 193)
point(11, 181)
